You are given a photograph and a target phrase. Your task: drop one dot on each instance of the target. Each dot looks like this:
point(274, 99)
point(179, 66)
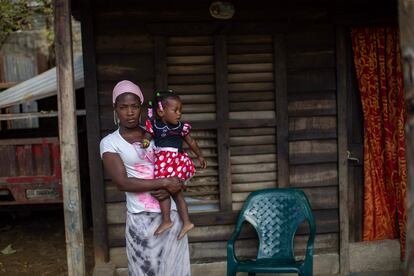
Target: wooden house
point(272, 98)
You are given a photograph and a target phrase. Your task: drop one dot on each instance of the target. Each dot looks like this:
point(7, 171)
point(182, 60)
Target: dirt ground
point(39, 240)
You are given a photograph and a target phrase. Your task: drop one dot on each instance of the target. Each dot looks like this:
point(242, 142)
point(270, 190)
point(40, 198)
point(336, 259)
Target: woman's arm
point(116, 170)
point(194, 148)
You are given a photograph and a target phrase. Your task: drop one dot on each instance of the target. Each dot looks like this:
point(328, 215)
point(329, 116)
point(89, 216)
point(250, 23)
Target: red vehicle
point(30, 171)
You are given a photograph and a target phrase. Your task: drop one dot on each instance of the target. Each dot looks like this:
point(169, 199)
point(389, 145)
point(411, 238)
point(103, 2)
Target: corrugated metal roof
point(41, 86)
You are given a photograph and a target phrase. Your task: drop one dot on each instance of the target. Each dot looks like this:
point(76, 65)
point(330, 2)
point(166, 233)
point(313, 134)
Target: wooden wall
point(261, 93)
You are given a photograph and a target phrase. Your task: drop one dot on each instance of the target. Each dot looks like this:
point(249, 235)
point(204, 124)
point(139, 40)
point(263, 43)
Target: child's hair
point(160, 99)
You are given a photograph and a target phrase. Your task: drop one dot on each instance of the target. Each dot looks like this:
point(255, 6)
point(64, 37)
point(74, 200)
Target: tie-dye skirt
point(150, 255)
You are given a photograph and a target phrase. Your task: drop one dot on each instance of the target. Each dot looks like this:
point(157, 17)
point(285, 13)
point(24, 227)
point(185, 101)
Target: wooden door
point(355, 151)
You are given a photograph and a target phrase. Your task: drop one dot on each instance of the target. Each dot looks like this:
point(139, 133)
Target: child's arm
point(194, 148)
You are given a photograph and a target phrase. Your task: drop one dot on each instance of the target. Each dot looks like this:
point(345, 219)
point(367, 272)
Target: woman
point(130, 165)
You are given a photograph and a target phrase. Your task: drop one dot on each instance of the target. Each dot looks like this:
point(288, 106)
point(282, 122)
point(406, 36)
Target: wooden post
point(406, 18)
point(100, 230)
point(223, 131)
point(341, 86)
point(281, 103)
point(68, 140)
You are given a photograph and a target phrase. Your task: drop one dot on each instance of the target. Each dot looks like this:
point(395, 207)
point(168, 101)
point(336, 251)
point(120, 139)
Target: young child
point(168, 133)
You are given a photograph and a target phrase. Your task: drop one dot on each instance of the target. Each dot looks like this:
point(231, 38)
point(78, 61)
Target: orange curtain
point(378, 69)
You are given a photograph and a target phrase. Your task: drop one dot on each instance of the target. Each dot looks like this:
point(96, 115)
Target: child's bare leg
point(183, 212)
point(165, 206)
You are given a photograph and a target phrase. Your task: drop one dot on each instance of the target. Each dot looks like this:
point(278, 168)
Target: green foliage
point(18, 15)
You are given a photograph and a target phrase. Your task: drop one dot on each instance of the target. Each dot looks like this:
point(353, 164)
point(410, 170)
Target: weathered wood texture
point(92, 103)
point(253, 74)
point(216, 250)
point(342, 91)
point(282, 120)
point(68, 140)
point(406, 16)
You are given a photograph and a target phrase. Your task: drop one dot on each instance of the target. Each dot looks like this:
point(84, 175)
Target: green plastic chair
point(275, 214)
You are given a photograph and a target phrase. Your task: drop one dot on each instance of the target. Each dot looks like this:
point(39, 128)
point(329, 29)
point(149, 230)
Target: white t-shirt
point(139, 163)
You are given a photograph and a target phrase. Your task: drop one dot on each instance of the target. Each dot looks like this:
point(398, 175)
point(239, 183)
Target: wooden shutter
point(252, 115)
point(191, 74)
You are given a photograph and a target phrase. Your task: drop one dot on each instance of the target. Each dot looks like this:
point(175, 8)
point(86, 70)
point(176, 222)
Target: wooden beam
point(222, 106)
point(160, 63)
point(341, 82)
point(282, 120)
point(68, 140)
point(406, 17)
point(30, 115)
point(100, 235)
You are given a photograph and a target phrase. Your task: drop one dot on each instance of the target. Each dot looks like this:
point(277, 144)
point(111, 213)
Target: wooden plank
point(253, 177)
point(193, 88)
point(316, 147)
point(312, 95)
point(249, 150)
point(251, 123)
point(160, 63)
point(319, 198)
point(341, 77)
point(326, 221)
point(190, 40)
point(304, 106)
point(323, 124)
point(253, 159)
point(251, 87)
point(311, 158)
point(191, 79)
point(249, 39)
point(68, 140)
point(252, 186)
point(249, 97)
point(252, 168)
point(282, 120)
point(251, 67)
point(101, 251)
point(190, 60)
point(311, 80)
point(131, 44)
point(215, 251)
point(25, 141)
point(252, 140)
point(239, 132)
point(250, 77)
point(312, 134)
point(250, 49)
point(250, 58)
point(193, 50)
point(258, 115)
point(311, 59)
point(314, 175)
point(311, 40)
point(115, 67)
point(222, 90)
point(313, 113)
point(33, 115)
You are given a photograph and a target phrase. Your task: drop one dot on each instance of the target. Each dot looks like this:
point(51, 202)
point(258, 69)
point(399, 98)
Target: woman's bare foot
point(186, 227)
point(163, 226)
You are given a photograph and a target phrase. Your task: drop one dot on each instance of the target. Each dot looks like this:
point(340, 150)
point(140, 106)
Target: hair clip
point(150, 109)
point(160, 106)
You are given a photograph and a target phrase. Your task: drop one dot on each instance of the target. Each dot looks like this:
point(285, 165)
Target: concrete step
point(378, 273)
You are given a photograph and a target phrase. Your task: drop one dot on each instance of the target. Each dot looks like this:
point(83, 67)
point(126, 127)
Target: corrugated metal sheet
point(41, 86)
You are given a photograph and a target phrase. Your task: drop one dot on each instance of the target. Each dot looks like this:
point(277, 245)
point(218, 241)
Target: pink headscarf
point(126, 86)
